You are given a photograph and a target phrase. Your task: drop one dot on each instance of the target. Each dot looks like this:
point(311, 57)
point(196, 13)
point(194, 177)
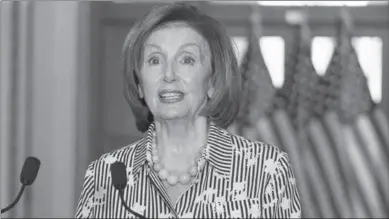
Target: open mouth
point(171, 96)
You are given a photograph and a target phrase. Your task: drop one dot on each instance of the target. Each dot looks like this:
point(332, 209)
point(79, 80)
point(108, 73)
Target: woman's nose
point(170, 75)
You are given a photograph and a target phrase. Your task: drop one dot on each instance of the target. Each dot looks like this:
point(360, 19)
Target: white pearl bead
point(184, 179)
point(201, 164)
point(163, 174)
point(193, 171)
point(200, 153)
point(155, 159)
point(172, 180)
point(157, 167)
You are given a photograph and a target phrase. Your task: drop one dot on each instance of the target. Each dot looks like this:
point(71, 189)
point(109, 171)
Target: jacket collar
point(218, 152)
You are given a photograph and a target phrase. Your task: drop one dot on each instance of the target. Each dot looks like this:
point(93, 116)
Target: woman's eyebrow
point(189, 45)
point(181, 47)
point(153, 45)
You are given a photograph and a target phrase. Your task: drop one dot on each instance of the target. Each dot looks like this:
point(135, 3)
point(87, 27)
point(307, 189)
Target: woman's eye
point(153, 61)
point(188, 60)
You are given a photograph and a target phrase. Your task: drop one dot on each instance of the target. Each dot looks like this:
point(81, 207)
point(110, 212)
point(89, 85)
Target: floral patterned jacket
point(241, 179)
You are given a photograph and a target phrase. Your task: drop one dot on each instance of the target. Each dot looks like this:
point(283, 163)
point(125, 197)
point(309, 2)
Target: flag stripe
point(334, 128)
point(292, 147)
point(378, 160)
point(316, 179)
point(364, 175)
point(327, 160)
point(266, 131)
point(382, 124)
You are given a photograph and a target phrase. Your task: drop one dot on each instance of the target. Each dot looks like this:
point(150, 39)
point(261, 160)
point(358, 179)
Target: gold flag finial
point(300, 19)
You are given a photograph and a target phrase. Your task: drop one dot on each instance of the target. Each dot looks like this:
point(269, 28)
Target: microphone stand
point(128, 208)
point(15, 201)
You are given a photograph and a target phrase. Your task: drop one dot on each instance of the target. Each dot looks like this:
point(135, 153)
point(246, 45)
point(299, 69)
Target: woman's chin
point(177, 111)
point(173, 113)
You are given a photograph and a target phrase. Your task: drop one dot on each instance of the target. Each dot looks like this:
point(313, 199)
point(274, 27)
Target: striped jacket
point(241, 179)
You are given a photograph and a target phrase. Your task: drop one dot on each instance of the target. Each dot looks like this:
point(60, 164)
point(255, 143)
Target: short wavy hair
point(223, 107)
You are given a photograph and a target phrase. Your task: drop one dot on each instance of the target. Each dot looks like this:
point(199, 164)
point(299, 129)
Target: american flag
point(300, 100)
point(294, 100)
point(335, 135)
point(364, 147)
point(258, 90)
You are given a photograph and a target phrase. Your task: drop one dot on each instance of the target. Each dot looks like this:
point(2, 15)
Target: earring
point(210, 93)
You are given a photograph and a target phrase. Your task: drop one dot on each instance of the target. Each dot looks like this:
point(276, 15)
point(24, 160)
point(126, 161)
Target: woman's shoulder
point(123, 154)
point(256, 152)
point(243, 144)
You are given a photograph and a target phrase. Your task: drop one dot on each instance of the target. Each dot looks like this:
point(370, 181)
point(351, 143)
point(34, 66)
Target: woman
point(182, 82)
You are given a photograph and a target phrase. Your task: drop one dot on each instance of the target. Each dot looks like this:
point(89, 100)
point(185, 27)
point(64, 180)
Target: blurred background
point(316, 78)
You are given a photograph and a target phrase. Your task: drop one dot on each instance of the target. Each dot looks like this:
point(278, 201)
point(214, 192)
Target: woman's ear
point(137, 82)
point(140, 92)
point(211, 90)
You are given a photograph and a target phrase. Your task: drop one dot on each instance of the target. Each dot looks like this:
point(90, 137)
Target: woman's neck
point(178, 136)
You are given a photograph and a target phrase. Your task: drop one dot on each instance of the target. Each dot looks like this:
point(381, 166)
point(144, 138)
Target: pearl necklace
point(172, 179)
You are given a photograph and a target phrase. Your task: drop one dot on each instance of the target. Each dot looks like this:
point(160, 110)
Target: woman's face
point(175, 76)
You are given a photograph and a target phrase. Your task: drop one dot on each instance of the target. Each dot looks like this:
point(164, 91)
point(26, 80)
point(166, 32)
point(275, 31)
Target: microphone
point(27, 177)
point(119, 181)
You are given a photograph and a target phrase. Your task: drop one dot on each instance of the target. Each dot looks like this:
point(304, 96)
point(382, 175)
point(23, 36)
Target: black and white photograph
point(194, 109)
